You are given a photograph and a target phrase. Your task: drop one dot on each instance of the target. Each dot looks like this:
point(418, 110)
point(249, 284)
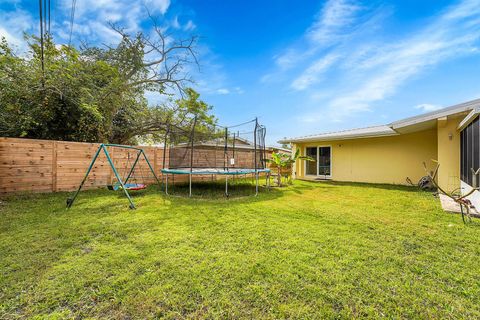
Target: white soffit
point(469, 118)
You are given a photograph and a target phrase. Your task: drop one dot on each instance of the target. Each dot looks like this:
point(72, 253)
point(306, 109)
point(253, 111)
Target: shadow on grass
point(239, 190)
point(215, 190)
point(243, 191)
point(397, 187)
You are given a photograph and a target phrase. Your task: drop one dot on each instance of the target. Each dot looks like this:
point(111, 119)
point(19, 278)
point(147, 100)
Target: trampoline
point(217, 151)
point(210, 171)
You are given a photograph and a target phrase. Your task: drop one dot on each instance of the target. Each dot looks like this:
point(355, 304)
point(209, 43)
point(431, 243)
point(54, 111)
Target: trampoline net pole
point(165, 146)
point(215, 151)
point(190, 185)
point(264, 148)
point(191, 156)
point(226, 185)
point(225, 150)
point(255, 143)
point(166, 183)
point(192, 145)
point(233, 149)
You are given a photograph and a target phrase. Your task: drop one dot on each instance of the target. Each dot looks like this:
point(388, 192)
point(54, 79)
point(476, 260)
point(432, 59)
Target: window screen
point(324, 161)
point(311, 166)
point(470, 151)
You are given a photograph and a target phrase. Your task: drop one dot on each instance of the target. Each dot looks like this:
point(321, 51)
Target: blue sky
point(302, 67)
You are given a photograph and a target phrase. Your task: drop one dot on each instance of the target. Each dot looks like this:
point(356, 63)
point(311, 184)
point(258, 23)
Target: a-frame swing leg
point(70, 201)
point(151, 168)
point(141, 152)
point(133, 167)
point(119, 179)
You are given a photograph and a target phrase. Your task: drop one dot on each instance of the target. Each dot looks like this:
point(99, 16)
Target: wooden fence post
point(54, 166)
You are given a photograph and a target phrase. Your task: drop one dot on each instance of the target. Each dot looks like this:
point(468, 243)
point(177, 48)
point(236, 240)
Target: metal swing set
point(128, 181)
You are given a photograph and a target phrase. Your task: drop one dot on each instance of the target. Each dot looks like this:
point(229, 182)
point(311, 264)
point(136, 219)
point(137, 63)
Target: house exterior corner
point(392, 153)
point(389, 160)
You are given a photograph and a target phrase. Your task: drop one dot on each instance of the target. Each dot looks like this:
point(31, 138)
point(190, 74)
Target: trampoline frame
point(213, 171)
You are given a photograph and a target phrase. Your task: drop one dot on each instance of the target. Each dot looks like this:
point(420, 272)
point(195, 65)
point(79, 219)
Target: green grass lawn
point(312, 250)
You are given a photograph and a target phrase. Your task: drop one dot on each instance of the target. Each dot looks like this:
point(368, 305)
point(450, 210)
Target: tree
point(285, 160)
point(156, 63)
point(155, 122)
point(58, 104)
point(97, 94)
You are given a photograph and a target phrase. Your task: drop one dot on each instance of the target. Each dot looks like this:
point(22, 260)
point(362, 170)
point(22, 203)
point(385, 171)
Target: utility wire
point(45, 16)
point(41, 43)
point(72, 19)
point(49, 14)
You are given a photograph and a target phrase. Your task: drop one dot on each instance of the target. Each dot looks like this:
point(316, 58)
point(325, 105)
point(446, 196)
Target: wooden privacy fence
point(51, 166)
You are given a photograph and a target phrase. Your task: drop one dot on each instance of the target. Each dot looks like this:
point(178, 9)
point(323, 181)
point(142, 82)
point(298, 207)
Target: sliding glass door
point(311, 166)
point(324, 161)
point(322, 165)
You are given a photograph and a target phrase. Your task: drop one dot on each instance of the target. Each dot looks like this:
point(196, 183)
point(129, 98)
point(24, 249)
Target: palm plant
point(285, 160)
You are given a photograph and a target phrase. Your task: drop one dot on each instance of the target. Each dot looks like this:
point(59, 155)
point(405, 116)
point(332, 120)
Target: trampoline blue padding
point(229, 171)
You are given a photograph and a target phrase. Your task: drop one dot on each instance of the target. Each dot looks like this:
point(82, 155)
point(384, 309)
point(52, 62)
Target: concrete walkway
point(448, 204)
point(451, 206)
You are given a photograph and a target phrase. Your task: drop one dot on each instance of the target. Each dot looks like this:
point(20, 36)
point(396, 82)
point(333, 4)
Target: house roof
point(445, 112)
point(414, 123)
point(376, 131)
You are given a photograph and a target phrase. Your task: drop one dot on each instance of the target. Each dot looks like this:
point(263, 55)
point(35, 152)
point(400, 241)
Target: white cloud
point(467, 8)
point(239, 90)
point(223, 91)
point(211, 78)
point(12, 26)
point(427, 107)
point(312, 74)
point(175, 23)
point(332, 26)
point(393, 64)
point(160, 6)
point(189, 26)
point(93, 16)
point(369, 71)
point(334, 17)
point(10, 37)
point(288, 59)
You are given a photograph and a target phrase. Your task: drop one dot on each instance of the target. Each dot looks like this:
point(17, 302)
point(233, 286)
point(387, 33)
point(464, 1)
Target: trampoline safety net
point(218, 148)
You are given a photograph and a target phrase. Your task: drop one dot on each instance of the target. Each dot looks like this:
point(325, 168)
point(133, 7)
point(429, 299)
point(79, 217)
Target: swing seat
point(128, 186)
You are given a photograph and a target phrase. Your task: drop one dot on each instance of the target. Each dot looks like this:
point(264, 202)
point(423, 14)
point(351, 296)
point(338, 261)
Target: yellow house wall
point(449, 153)
point(378, 160)
point(296, 166)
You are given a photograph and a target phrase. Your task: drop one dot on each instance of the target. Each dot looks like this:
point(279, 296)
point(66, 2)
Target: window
point(463, 153)
point(470, 151)
point(322, 164)
point(324, 161)
point(311, 166)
